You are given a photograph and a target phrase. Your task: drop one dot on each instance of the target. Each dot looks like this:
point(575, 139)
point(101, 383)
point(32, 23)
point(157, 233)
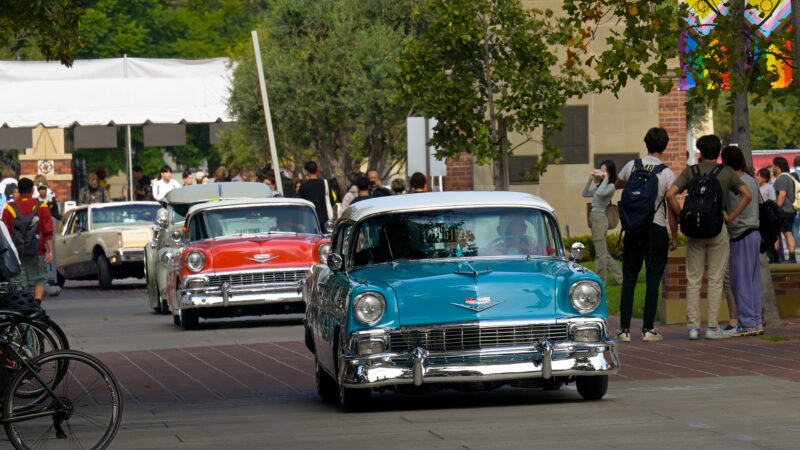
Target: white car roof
point(443, 200)
point(211, 191)
point(250, 202)
point(110, 204)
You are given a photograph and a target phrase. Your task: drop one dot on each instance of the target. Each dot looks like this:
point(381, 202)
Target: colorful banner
point(767, 15)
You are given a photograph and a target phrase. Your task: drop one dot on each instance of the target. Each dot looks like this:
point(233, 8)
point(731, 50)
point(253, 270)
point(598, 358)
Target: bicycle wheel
point(85, 404)
point(55, 331)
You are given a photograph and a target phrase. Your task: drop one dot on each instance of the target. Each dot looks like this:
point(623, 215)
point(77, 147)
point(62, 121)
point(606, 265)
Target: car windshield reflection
point(456, 233)
point(222, 222)
point(123, 215)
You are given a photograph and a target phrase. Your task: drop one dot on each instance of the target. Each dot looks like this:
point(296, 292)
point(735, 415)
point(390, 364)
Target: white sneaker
point(652, 336)
point(717, 333)
point(624, 336)
point(694, 334)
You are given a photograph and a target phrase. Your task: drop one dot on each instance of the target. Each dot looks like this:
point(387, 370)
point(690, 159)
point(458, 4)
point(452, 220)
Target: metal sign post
point(267, 116)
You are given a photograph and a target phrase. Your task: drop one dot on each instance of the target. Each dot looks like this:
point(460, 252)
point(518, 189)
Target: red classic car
point(244, 257)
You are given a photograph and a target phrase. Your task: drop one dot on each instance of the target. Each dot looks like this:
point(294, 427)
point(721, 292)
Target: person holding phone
point(600, 187)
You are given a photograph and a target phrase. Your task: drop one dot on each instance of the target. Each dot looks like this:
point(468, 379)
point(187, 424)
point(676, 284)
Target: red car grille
point(248, 279)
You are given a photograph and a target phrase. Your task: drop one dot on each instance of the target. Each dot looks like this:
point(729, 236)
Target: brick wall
point(62, 168)
point(785, 278)
point(460, 175)
point(672, 117)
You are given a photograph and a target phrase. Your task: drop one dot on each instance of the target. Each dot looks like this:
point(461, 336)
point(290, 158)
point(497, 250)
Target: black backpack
point(701, 216)
point(639, 196)
point(770, 223)
point(24, 235)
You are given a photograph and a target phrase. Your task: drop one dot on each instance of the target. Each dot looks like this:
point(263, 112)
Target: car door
point(80, 258)
point(69, 244)
point(62, 241)
point(331, 300)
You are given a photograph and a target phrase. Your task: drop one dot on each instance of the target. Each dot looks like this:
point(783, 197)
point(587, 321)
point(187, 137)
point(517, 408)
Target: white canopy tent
point(121, 91)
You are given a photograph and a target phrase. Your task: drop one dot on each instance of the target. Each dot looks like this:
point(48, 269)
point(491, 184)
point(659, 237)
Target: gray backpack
point(24, 234)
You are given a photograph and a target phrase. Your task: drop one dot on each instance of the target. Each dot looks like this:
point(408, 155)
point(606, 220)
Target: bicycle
point(59, 398)
point(47, 335)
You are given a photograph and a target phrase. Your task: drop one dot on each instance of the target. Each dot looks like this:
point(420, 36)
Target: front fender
point(150, 275)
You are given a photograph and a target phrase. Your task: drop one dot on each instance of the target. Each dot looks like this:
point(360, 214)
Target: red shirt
point(45, 226)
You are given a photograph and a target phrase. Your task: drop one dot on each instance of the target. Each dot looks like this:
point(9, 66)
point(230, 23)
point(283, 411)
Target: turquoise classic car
point(461, 290)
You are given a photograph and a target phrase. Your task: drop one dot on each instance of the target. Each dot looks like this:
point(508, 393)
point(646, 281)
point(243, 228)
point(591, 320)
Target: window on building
point(522, 169)
point(573, 138)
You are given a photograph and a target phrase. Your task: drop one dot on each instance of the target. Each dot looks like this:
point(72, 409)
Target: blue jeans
point(796, 229)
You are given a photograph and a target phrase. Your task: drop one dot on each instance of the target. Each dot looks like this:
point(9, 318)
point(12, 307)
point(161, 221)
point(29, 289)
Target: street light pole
point(267, 116)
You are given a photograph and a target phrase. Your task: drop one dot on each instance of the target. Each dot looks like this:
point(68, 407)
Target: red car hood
point(261, 252)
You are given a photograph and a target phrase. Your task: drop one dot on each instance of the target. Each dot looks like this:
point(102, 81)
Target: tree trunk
point(740, 119)
point(796, 41)
point(502, 144)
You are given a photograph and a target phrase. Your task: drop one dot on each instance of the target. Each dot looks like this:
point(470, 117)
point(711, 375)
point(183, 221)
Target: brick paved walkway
point(286, 369)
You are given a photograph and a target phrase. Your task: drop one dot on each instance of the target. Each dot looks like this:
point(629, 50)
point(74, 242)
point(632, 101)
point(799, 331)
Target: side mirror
point(162, 218)
point(335, 262)
point(329, 226)
point(576, 251)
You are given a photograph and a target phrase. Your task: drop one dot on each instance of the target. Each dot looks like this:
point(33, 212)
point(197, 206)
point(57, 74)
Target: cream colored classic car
point(104, 241)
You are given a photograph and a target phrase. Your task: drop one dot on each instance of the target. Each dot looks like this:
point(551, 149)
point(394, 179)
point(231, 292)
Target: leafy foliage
point(485, 68)
point(330, 67)
point(50, 26)
point(644, 36)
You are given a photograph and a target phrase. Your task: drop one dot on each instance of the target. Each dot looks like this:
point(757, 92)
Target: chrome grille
point(473, 337)
point(258, 278)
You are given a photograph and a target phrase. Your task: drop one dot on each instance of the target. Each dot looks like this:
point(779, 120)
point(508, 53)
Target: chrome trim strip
point(246, 271)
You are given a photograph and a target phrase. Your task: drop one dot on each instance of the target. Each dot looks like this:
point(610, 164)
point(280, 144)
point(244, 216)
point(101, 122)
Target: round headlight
point(323, 251)
point(369, 308)
point(585, 296)
point(195, 261)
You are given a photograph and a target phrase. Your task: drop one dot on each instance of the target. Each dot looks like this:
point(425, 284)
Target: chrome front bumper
point(226, 295)
point(419, 367)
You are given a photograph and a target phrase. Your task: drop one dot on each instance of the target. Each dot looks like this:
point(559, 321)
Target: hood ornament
point(477, 304)
point(262, 258)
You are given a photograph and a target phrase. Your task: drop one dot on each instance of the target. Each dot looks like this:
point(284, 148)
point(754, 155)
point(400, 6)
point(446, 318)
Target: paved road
point(250, 384)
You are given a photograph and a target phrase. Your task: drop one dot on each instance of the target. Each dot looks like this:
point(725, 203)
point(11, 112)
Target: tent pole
point(130, 161)
point(276, 170)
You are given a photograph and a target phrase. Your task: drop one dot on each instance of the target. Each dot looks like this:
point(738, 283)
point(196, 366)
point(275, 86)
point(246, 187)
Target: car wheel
point(176, 319)
point(189, 319)
point(164, 306)
point(326, 385)
point(350, 399)
point(104, 272)
point(309, 340)
point(592, 388)
point(60, 280)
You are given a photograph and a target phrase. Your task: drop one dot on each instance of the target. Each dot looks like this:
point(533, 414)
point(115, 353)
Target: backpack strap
point(715, 171)
point(637, 164)
point(695, 169)
point(659, 168)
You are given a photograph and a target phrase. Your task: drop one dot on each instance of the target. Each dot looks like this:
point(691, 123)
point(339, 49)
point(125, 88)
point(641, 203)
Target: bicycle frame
point(7, 347)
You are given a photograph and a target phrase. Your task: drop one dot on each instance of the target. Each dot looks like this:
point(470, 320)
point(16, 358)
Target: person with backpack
point(745, 250)
point(644, 218)
point(702, 220)
point(31, 227)
point(787, 189)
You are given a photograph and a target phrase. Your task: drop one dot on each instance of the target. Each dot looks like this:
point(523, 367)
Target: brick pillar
point(48, 145)
point(460, 173)
point(672, 117)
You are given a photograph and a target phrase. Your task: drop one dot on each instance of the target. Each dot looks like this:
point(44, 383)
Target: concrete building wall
point(616, 125)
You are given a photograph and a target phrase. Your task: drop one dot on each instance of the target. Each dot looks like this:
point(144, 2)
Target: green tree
point(330, 67)
point(484, 68)
point(51, 26)
point(644, 36)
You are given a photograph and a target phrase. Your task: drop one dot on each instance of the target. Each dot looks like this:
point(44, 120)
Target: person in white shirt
point(9, 177)
point(767, 190)
point(165, 184)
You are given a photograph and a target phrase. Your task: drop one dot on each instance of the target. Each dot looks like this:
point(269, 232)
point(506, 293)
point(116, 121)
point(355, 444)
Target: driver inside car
point(512, 237)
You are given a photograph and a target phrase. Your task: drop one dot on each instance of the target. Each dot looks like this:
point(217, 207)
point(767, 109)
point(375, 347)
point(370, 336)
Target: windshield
point(219, 222)
point(456, 233)
point(179, 211)
point(123, 215)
